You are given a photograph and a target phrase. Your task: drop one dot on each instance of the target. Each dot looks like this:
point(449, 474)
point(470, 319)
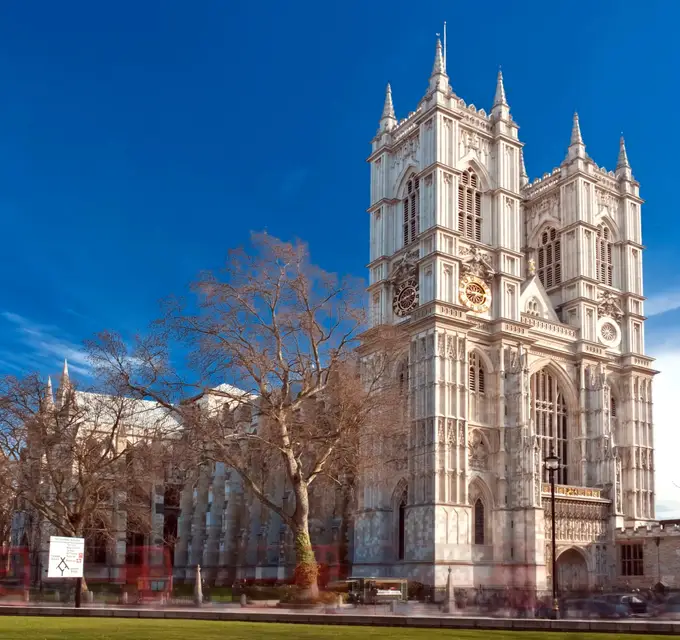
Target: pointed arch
point(399, 504)
point(604, 217)
point(481, 501)
point(546, 221)
point(471, 161)
point(604, 254)
point(549, 257)
point(567, 385)
point(408, 172)
point(554, 415)
point(479, 489)
point(479, 378)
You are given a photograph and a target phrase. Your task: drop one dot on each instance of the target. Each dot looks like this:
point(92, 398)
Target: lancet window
point(470, 206)
point(550, 259)
point(411, 209)
point(604, 266)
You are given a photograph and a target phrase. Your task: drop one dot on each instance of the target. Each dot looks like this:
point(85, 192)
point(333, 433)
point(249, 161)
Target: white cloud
point(665, 395)
point(662, 302)
point(40, 346)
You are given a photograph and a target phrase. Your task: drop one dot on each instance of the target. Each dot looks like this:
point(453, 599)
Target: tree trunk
point(306, 567)
point(344, 533)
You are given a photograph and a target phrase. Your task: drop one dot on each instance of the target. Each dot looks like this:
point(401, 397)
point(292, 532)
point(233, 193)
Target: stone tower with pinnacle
point(523, 305)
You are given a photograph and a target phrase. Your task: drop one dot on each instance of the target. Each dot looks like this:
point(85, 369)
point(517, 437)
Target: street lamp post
point(552, 463)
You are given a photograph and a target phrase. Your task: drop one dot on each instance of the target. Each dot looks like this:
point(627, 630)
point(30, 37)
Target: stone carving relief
point(405, 267)
point(605, 200)
point(548, 207)
point(473, 142)
point(478, 452)
point(576, 521)
point(476, 263)
point(609, 305)
point(405, 153)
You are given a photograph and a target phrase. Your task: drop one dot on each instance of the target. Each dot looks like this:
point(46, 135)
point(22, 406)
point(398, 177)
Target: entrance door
point(572, 572)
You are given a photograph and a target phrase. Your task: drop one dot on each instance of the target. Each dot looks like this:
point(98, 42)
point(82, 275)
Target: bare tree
point(284, 334)
point(78, 464)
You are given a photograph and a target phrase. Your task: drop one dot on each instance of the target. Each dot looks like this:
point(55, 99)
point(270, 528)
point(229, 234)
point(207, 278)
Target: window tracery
point(470, 206)
point(411, 209)
point(477, 387)
point(604, 266)
point(549, 413)
point(550, 258)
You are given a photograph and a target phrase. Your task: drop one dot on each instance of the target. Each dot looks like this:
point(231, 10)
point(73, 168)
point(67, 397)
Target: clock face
point(405, 298)
point(475, 294)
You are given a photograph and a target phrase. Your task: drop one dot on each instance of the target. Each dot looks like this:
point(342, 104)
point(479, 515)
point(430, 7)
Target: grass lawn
point(33, 628)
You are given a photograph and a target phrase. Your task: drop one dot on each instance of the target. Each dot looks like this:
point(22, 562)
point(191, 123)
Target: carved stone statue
point(478, 264)
point(478, 454)
point(609, 306)
point(531, 267)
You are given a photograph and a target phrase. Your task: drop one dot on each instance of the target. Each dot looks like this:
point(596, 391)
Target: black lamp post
point(552, 464)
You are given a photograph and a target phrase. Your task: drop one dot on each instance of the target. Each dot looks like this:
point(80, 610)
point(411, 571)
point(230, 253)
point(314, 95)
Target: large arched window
point(604, 266)
point(479, 522)
point(549, 413)
point(477, 387)
point(411, 207)
point(470, 206)
point(550, 258)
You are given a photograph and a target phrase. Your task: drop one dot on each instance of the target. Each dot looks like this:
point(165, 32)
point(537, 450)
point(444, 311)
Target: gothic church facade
point(523, 303)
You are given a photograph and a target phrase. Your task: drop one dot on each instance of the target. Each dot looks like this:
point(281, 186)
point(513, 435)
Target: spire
point(623, 156)
point(576, 147)
point(64, 385)
point(439, 66)
point(623, 166)
point(49, 395)
point(439, 81)
point(388, 120)
point(576, 131)
point(523, 177)
point(500, 110)
point(499, 99)
point(388, 109)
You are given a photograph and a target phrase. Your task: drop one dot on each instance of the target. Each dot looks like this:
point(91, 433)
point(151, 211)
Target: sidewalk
point(344, 616)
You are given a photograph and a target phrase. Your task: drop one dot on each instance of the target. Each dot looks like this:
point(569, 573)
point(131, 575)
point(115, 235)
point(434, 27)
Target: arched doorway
point(572, 571)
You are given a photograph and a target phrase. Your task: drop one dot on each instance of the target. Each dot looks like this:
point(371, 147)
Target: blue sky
point(138, 141)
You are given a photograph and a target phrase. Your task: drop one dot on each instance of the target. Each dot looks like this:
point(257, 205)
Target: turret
point(500, 109)
point(388, 120)
point(576, 147)
point(439, 81)
point(623, 170)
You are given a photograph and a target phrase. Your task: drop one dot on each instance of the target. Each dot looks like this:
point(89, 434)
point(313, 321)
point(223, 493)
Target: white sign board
point(66, 557)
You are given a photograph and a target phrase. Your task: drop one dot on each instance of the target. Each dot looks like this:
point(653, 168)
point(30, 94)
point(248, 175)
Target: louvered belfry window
point(470, 206)
point(605, 268)
point(411, 208)
point(550, 259)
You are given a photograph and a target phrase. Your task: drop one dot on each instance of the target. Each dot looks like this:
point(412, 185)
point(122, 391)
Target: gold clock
point(474, 294)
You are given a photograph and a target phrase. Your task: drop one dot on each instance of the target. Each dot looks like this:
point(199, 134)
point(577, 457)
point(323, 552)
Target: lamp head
point(552, 462)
